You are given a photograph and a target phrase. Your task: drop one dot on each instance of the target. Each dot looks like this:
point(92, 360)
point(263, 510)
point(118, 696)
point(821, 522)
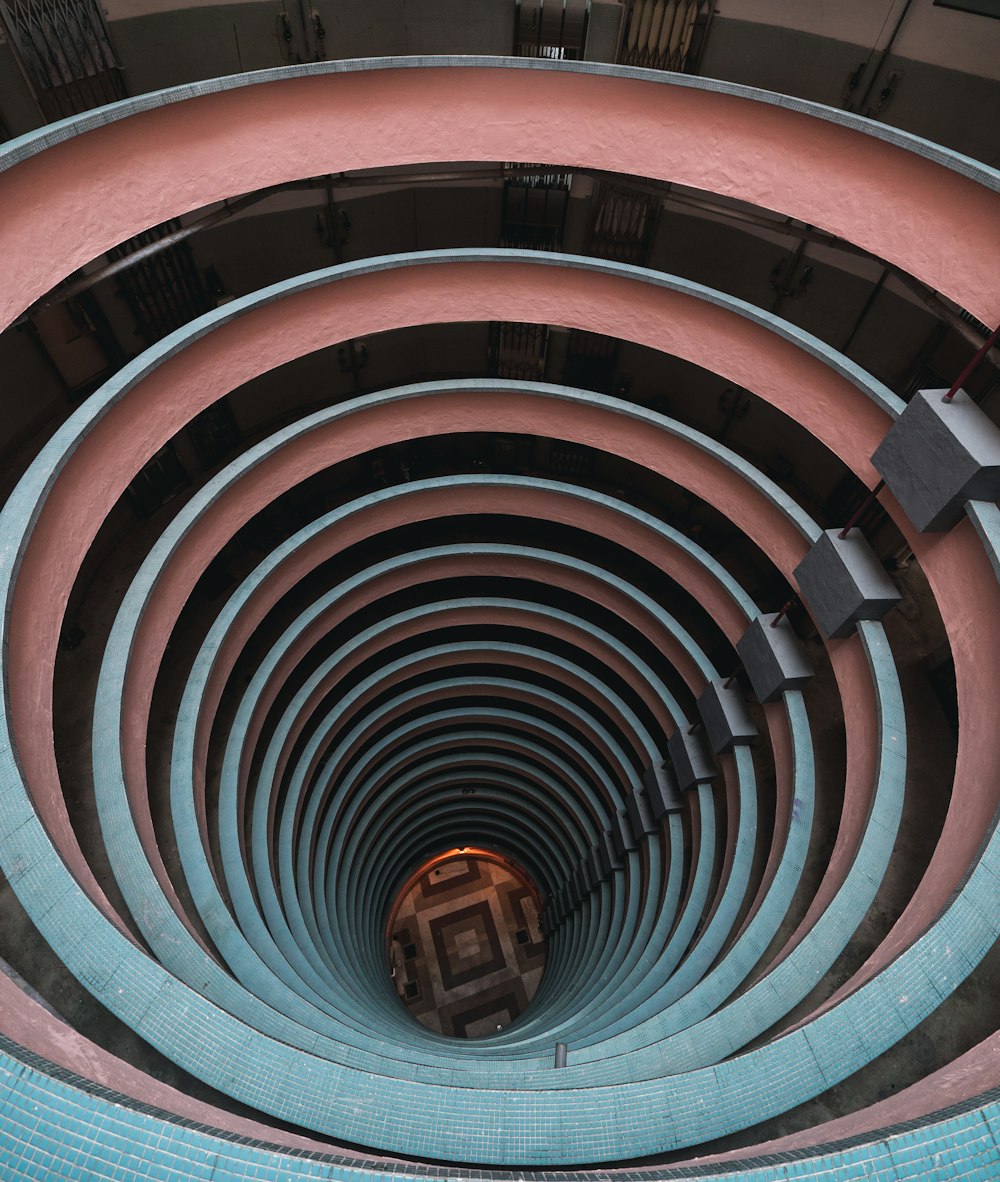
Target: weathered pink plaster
point(135, 428)
point(72, 202)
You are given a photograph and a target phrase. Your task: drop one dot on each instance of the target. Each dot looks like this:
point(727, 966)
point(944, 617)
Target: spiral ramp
point(714, 793)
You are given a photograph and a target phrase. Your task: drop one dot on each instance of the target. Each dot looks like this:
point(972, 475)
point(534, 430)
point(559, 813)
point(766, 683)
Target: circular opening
point(463, 943)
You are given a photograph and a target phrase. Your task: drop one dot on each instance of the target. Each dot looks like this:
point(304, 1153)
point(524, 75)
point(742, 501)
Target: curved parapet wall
point(344, 706)
point(832, 169)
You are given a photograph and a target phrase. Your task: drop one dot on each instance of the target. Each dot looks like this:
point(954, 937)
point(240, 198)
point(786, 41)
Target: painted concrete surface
point(543, 1120)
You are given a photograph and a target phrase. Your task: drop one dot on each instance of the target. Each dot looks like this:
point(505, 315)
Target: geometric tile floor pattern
point(466, 951)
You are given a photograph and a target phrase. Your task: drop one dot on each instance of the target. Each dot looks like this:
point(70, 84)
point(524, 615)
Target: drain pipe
point(561, 1049)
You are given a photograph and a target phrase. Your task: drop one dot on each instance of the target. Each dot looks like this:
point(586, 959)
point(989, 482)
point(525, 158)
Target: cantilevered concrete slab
point(662, 790)
point(773, 657)
point(842, 582)
point(691, 757)
point(639, 807)
point(625, 837)
point(611, 859)
point(727, 720)
point(937, 456)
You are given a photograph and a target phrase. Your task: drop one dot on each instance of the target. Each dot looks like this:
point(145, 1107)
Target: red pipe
point(784, 611)
point(973, 364)
point(856, 515)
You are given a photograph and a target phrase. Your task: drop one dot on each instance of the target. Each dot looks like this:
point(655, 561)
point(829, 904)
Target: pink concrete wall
point(69, 204)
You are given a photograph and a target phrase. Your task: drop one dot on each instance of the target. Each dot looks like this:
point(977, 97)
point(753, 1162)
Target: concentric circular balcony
point(321, 668)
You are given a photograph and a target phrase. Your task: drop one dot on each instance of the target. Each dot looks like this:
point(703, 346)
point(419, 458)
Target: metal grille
point(591, 361)
point(165, 290)
point(65, 53)
point(624, 221)
point(551, 28)
point(517, 351)
point(976, 325)
point(512, 453)
point(158, 481)
point(213, 433)
point(534, 212)
point(569, 459)
point(534, 216)
point(665, 34)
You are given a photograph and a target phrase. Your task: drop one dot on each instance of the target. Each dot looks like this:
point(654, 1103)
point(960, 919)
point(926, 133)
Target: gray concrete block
point(623, 834)
point(662, 790)
point(592, 866)
point(603, 861)
point(640, 812)
point(938, 455)
point(773, 657)
point(727, 720)
point(609, 852)
point(842, 581)
point(692, 760)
